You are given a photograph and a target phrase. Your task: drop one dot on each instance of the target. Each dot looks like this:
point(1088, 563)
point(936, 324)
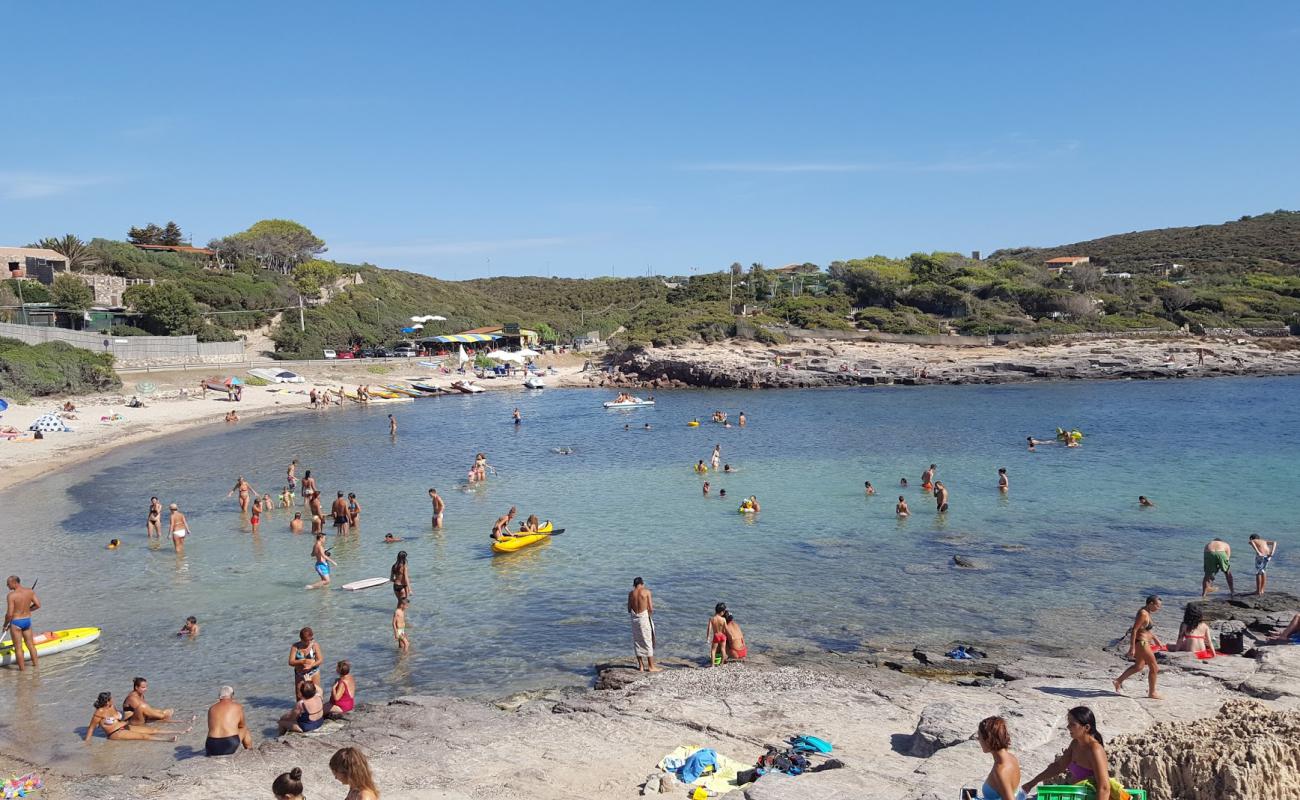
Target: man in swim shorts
point(339, 510)
point(18, 619)
point(227, 729)
point(1264, 549)
point(295, 524)
point(438, 506)
point(1217, 558)
point(501, 527)
point(322, 560)
point(940, 497)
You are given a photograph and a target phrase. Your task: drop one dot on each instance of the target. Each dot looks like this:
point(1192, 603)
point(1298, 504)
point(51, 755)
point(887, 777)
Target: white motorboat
point(635, 402)
point(534, 382)
point(466, 387)
point(277, 375)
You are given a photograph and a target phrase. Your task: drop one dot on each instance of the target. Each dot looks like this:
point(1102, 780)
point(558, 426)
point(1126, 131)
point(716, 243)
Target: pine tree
point(171, 235)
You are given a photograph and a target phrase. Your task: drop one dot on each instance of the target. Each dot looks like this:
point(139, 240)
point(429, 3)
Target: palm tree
point(72, 248)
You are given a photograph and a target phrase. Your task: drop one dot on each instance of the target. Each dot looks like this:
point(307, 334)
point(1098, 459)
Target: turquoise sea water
point(1068, 551)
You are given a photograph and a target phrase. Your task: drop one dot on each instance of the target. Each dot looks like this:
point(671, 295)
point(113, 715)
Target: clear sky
point(476, 138)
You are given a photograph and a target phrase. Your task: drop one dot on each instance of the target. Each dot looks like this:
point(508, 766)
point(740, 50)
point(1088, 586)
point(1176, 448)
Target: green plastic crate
point(1079, 792)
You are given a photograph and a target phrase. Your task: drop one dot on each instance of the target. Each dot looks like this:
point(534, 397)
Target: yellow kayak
point(518, 541)
point(49, 643)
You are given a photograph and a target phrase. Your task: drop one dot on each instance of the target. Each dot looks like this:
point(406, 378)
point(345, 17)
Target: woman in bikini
point(178, 527)
point(108, 719)
point(307, 714)
point(1194, 634)
point(1142, 648)
point(351, 769)
point(305, 657)
point(1085, 757)
point(154, 524)
point(243, 488)
point(343, 697)
point(354, 510)
point(400, 577)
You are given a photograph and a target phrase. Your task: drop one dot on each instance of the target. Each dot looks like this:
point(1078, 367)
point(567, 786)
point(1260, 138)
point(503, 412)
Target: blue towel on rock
point(700, 762)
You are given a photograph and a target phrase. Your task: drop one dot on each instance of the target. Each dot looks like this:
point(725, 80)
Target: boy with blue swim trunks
point(1264, 549)
point(18, 619)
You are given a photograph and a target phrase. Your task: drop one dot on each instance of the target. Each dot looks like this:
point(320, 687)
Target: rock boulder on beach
point(1247, 752)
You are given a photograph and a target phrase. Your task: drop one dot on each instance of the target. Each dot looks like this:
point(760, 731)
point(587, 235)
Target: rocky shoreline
point(901, 724)
point(820, 363)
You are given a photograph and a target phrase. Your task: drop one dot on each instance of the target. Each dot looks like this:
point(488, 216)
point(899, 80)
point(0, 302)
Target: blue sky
point(483, 138)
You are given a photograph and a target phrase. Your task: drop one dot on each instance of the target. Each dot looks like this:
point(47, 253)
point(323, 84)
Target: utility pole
point(22, 304)
point(731, 293)
point(302, 325)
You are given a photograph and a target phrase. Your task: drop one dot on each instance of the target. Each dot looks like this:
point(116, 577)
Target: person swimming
point(113, 544)
point(390, 538)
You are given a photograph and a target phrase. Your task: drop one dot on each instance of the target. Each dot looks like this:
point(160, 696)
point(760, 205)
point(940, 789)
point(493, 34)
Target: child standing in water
point(399, 625)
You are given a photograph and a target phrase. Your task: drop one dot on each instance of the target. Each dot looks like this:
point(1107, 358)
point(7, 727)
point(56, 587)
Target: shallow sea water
point(1068, 551)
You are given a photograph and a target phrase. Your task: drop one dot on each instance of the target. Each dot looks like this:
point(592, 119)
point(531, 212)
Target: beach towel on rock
point(726, 775)
point(643, 635)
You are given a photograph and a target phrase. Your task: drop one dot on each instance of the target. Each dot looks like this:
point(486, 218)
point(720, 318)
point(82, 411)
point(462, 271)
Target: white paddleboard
point(368, 583)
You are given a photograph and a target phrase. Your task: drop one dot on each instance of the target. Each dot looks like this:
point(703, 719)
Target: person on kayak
point(531, 525)
point(18, 619)
point(641, 609)
point(501, 527)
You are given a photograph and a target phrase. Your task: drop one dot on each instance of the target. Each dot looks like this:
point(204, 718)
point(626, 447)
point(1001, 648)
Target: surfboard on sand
point(368, 583)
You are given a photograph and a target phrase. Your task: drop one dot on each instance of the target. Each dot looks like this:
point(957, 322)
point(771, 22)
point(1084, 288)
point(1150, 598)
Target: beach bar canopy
point(463, 338)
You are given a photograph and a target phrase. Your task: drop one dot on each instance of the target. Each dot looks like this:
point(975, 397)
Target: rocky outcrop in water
point(820, 363)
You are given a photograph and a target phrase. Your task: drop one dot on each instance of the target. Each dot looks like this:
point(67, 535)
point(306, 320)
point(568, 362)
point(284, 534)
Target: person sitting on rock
point(1084, 758)
point(1194, 634)
point(1288, 632)
point(1002, 781)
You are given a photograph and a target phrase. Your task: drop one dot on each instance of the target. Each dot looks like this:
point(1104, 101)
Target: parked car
point(346, 354)
point(366, 352)
point(382, 352)
point(331, 354)
point(406, 350)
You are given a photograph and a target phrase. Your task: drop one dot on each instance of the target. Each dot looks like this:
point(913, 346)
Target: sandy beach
point(104, 422)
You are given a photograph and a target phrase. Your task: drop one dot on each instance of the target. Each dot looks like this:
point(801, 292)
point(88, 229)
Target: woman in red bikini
point(1194, 634)
point(1085, 757)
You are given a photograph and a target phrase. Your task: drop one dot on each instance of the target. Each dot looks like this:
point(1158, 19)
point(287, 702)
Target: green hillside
point(1267, 243)
point(1241, 274)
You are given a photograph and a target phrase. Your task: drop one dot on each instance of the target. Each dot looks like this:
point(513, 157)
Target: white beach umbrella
point(436, 318)
point(528, 352)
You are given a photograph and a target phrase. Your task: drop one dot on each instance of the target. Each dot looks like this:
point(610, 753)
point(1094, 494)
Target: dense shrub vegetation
point(52, 368)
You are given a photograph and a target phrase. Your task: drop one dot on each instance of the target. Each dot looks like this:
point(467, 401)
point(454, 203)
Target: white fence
point(131, 349)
